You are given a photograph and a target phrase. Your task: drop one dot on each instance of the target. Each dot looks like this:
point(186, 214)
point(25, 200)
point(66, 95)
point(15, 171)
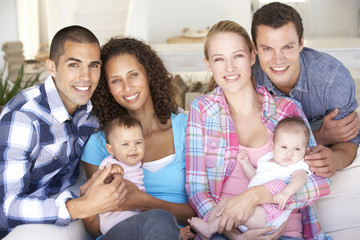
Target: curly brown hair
point(160, 81)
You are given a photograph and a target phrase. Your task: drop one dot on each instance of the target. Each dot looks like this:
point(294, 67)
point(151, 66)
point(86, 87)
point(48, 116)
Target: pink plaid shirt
point(211, 147)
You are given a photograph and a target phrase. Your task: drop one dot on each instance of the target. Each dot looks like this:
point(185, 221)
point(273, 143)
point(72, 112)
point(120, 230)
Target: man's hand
point(321, 161)
point(97, 196)
point(337, 131)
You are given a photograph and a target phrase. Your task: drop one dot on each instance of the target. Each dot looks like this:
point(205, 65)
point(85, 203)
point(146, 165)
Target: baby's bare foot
point(202, 228)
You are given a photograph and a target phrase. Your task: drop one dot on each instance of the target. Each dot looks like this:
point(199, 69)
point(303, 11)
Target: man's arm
point(334, 131)
point(340, 127)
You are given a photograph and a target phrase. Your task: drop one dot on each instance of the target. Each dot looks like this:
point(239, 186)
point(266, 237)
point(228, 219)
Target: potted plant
point(9, 90)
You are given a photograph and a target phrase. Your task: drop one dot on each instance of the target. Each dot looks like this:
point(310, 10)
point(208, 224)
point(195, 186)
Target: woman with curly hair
point(135, 82)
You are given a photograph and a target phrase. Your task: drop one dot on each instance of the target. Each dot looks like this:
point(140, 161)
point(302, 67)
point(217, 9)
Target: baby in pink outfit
point(125, 144)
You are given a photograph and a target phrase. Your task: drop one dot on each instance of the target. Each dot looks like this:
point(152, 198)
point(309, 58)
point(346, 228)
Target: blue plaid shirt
point(40, 148)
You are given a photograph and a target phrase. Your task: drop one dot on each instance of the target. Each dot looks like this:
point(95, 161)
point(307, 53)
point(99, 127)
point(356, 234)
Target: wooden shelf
point(180, 39)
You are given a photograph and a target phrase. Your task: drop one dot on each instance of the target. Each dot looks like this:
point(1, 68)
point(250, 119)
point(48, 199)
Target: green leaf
point(7, 92)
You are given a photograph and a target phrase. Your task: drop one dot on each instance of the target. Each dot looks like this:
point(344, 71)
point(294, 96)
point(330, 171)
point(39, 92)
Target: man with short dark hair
point(43, 132)
point(326, 91)
point(321, 83)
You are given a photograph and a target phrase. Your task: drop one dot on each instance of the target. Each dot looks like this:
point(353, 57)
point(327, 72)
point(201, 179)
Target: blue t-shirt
point(323, 85)
point(167, 183)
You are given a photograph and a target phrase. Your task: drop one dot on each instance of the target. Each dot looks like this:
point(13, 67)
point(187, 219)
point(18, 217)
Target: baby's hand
point(117, 169)
point(281, 198)
point(242, 157)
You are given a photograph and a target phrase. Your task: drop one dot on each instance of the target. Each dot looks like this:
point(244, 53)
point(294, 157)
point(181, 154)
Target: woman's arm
point(231, 214)
point(197, 180)
point(181, 211)
point(315, 187)
point(92, 225)
point(238, 209)
point(90, 169)
point(137, 199)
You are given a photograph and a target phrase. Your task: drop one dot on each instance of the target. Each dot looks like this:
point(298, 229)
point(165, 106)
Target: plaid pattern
point(272, 210)
point(40, 147)
point(211, 147)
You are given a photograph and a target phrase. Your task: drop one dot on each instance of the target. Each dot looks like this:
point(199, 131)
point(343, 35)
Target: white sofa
point(339, 212)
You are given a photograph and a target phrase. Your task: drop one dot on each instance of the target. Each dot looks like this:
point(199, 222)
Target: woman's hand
point(134, 199)
point(238, 209)
point(235, 212)
point(260, 233)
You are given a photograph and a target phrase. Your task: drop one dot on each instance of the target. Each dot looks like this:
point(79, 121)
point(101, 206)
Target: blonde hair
point(222, 27)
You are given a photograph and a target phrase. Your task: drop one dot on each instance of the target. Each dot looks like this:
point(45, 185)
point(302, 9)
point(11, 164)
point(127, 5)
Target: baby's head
point(291, 138)
point(125, 139)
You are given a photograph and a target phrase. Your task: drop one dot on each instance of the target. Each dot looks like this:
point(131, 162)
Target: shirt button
point(213, 145)
point(55, 158)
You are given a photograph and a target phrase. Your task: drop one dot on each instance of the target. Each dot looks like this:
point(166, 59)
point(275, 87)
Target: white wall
point(8, 25)
point(334, 18)
point(167, 18)
point(58, 14)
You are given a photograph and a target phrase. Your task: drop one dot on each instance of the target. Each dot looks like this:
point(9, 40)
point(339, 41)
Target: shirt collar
point(268, 107)
point(271, 87)
point(217, 95)
point(56, 105)
point(302, 83)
